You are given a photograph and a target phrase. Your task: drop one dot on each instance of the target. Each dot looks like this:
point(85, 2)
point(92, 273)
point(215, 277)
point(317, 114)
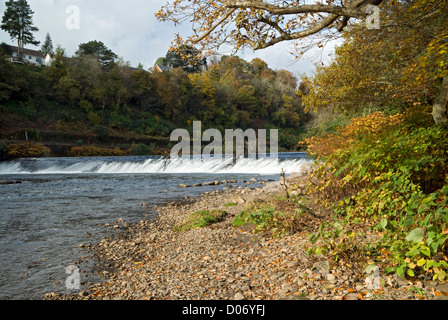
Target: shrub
point(392, 177)
point(27, 150)
point(141, 150)
point(358, 128)
point(3, 149)
point(277, 217)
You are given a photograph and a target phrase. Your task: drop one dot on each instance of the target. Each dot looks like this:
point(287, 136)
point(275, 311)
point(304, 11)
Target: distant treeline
point(83, 100)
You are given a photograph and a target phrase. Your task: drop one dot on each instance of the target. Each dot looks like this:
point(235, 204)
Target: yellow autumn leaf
point(421, 262)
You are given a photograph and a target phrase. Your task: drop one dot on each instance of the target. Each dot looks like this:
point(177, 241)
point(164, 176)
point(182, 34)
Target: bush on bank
point(386, 176)
point(27, 150)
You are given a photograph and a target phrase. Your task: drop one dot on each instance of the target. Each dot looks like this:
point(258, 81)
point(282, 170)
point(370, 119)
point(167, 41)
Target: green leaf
point(444, 217)
point(426, 200)
point(383, 223)
point(425, 251)
point(415, 235)
point(400, 271)
point(410, 272)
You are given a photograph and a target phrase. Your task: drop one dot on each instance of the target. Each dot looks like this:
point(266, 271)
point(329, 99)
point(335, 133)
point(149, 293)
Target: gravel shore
point(150, 261)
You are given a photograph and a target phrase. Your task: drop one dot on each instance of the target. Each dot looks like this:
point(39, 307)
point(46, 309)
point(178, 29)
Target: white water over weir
point(289, 162)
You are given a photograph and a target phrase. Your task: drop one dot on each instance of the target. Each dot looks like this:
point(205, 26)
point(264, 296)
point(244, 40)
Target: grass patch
point(200, 219)
point(232, 204)
point(275, 216)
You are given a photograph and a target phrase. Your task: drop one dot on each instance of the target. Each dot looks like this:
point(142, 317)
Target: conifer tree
point(18, 22)
point(47, 47)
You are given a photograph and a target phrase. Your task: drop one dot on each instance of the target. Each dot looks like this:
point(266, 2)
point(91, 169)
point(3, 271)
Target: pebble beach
point(150, 261)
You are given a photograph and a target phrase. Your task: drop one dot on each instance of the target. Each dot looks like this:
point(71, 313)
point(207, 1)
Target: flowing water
point(61, 201)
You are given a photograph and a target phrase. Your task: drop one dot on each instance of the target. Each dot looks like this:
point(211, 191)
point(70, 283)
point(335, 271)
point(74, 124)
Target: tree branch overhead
point(261, 24)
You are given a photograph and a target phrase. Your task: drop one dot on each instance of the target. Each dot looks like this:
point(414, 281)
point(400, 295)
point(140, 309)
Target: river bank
point(150, 261)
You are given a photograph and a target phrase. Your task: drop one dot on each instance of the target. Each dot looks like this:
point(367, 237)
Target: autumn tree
point(388, 69)
point(186, 57)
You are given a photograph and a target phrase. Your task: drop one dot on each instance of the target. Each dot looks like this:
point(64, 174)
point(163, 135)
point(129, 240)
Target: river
point(61, 202)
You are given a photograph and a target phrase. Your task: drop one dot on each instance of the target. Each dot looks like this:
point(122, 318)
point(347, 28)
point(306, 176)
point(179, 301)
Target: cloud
point(130, 29)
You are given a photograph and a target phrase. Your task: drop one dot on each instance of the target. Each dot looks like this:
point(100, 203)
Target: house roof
point(28, 52)
point(163, 68)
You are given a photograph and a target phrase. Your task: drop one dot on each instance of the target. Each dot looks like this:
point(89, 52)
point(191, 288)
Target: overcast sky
point(129, 28)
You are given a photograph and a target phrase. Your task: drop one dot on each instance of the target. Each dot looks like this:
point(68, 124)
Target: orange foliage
point(27, 150)
point(357, 128)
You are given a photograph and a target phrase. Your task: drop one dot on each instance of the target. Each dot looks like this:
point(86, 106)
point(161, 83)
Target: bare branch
point(350, 10)
point(301, 34)
point(213, 27)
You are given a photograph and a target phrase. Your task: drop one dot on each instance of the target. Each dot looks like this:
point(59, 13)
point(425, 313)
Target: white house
point(30, 56)
point(48, 60)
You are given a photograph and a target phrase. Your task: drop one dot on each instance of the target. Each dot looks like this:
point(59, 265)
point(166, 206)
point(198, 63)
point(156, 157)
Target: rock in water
point(4, 182)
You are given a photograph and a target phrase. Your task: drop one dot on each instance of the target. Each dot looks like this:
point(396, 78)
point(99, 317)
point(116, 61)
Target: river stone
point(283, 292)
point(298, 297)
point(239, 296)
point(323, 265)
point(351, 296)
point(331, 277)
point(328, 286)
point(239, 200)
point(276, 276)
point(442, 287)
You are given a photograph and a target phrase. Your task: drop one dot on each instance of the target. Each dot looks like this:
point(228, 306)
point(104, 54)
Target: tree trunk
point(439, 107)
point(18, 48)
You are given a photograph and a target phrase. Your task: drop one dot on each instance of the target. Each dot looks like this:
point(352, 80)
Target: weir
point(289, 162)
